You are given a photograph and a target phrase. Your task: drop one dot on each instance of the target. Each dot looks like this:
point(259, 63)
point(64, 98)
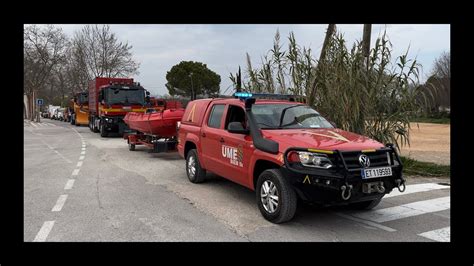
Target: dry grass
point(429, 143)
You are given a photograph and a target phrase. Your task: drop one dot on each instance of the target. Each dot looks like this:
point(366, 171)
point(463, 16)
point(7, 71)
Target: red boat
point(161, 124)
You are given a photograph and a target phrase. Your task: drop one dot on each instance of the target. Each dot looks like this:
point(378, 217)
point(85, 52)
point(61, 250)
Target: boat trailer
point(156, 144)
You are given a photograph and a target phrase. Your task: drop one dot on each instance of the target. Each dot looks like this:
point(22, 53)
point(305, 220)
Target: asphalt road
point(81, 187)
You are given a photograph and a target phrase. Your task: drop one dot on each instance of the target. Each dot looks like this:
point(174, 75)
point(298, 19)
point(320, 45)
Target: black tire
point(94, 128)
point(131, 147)
point(287, 199)
point(103, 132)
point(366, 205)
point(200, 173)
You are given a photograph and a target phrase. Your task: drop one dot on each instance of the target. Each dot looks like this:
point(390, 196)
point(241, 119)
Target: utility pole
point(192, 87)
point(366, 42)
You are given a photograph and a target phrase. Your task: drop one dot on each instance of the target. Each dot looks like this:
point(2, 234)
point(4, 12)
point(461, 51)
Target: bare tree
point(43, 50)
point(98, 53)
point(442, 66)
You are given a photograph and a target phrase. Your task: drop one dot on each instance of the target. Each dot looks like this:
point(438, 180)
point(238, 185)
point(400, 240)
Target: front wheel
point(103, 132)
point(276, 198)
point(193, 168)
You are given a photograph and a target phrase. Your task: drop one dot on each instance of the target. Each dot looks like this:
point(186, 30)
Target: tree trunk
point(330, 31)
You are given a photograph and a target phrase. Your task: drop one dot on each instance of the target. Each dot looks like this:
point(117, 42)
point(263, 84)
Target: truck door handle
point(203, 135)
point(221, 140)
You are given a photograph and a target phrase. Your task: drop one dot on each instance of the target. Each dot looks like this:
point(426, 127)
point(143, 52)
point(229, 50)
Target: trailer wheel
point(131, 147)
point(193, 168)
point(103, 132)
point(276, 198)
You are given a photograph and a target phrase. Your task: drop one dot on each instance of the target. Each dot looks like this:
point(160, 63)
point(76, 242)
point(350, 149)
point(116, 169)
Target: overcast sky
point(222, 47)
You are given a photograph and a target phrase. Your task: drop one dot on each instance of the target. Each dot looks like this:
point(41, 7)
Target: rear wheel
point(193, 168)
point(276, 198)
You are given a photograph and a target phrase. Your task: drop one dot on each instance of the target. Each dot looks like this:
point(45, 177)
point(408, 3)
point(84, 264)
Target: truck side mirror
point(237, 128)
point(147, 99)
point(147, 93)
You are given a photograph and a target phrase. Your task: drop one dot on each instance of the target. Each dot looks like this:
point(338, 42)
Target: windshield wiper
point(284, 111)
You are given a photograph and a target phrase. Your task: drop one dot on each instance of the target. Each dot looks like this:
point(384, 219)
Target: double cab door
point(226, 154)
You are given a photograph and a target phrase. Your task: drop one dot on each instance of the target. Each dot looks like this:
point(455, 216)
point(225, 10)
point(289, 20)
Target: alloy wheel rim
point(269, 196)
point(191, 166)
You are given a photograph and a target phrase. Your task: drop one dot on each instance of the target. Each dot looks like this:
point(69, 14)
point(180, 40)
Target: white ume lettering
point(232, 154)
point(229, 152)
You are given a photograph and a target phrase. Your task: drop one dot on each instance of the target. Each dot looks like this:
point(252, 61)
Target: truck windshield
point(83, 98)
point(288, 116)
point(125, 96)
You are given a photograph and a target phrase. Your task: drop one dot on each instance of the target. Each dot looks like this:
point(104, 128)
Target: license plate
point(376, 172)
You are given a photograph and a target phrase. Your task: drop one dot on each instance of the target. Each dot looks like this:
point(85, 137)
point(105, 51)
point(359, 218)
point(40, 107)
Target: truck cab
point(110, 99)
point(80, 109)
point(285, 150)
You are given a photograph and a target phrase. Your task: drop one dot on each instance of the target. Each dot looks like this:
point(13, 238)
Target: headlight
point(311, 159)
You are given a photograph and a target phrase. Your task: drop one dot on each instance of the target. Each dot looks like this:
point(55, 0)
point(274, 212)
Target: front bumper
point(115, 124)
point(331, 186)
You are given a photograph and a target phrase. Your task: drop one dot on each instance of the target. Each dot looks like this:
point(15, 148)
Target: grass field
point(414, 167)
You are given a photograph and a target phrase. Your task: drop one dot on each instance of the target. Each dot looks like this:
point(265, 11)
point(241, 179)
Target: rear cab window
point(215, 117)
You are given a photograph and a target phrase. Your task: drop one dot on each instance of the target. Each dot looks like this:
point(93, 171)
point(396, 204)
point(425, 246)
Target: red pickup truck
point(285, 150)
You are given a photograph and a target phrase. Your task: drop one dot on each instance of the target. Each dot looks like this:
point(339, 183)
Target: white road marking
point(60, 203)
point(58, 153)
point(440, 235)
point(83, 152)
point(415, 188)
point(33, 124)
point(79, 164)
point(69, 184)
point(369, 223)
point(83, 148)
point(82, 157)
point(406, 210)
point(75, 172)
point(44, 231)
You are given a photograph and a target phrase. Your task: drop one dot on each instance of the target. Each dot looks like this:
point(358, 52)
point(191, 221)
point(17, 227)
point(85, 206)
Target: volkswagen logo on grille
point(364, 160)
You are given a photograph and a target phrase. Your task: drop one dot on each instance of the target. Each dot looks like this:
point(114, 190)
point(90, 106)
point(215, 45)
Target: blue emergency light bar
point(246, 95)
point(243, 95)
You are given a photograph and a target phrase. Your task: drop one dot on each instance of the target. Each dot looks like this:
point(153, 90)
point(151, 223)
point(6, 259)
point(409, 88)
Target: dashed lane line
point(59, 203)
point(75, 172)
point(44, 231)
point(69, 184)
point(79, 164)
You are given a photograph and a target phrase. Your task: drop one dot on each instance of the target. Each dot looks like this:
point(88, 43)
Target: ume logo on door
point(235, 155)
